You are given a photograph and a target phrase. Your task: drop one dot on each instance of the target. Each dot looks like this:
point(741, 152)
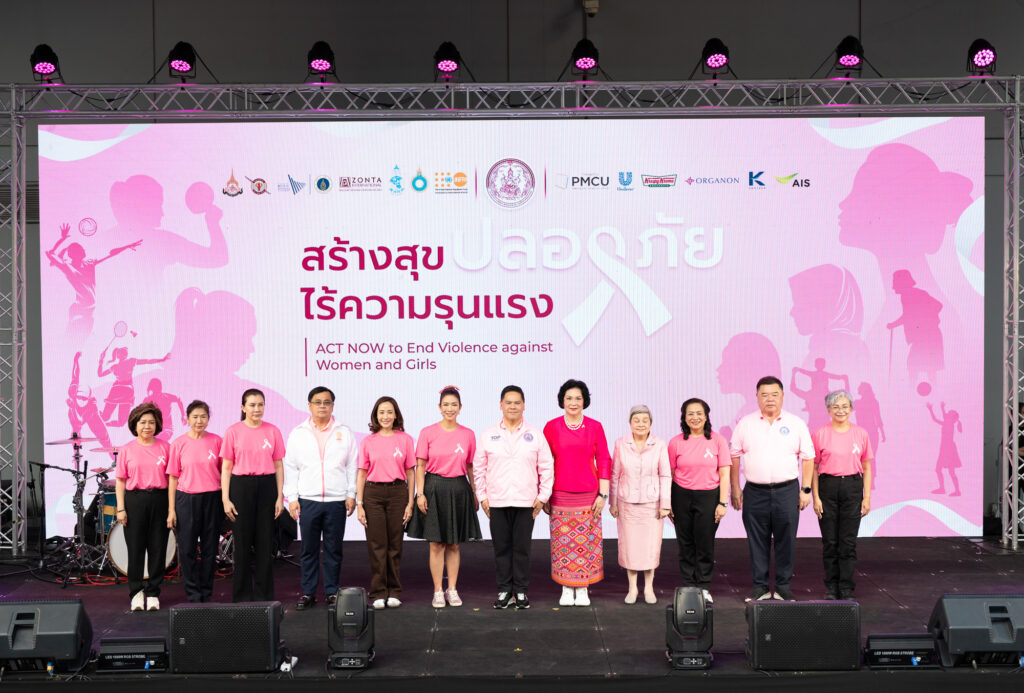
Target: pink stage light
point(181, 66)
point(447, 66)
point(320, 65)
point(984, 57)
point(849, 60)
point(716, 60)
point(586, 63)
point(44, 68)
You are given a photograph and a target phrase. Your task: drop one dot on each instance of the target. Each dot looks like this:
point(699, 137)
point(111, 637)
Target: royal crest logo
point(323, 184)
point(232, 188)
point(510, 183)
point(395, 182)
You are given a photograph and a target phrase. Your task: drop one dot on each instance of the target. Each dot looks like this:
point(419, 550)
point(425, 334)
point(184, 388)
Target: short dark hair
point(511, 388)
point(251, 392)
point(570, 384)
point(399, 424)
point(140, 411)
point(317, 390)
point(450, 390)
point(684, 427)
point(197, 404)
point(769, 380)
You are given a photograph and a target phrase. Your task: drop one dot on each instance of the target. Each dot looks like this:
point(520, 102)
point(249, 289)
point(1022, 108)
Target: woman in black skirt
point(446, 503)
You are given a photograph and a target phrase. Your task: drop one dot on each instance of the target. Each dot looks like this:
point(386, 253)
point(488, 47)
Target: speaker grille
point(804, 635)
point(225, 638)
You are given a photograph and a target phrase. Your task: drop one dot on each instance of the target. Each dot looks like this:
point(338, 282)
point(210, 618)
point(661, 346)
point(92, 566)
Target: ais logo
point(794, 182)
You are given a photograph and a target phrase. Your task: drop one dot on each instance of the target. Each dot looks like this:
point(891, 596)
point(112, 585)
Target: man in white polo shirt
point(514, 472)
point(778, 462)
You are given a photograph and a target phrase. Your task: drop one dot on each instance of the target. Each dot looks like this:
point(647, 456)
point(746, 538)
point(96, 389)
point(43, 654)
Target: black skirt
point(450, 518)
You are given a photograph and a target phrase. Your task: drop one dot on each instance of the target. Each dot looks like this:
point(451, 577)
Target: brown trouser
point(384, 504)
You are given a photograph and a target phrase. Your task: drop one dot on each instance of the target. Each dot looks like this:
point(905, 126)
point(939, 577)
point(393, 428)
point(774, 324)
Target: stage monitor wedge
point(804, 636)
point(37, 634)
point(981, 629)
point(225, 638)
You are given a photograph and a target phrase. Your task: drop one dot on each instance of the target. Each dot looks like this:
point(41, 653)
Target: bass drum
point(117, 550)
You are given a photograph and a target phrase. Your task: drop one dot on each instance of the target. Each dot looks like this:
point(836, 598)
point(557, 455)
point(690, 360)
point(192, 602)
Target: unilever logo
point(510, 183)
point(395, 182)
point(625, 180)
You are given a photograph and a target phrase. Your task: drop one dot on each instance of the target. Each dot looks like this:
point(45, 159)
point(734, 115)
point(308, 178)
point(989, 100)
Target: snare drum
point(117, 549)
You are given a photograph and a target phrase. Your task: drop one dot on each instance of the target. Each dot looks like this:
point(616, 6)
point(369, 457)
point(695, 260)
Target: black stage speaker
point(980, 629)
point(225, 638)
point(689, 629)
point(37, 635)
point(350, 630)
point(803, 636)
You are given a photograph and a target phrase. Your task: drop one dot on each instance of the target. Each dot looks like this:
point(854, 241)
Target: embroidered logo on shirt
point(266, 443)
point(708, 453)
point(160, 460)
point(458, 448)
point(210, 455)
point(856, 449)
point(398, 453)
point(784, 431)
point(528, 437)
point(495, 437)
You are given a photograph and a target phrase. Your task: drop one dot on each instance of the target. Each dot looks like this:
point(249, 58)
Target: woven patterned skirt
point(576, 556)
point(450, 518)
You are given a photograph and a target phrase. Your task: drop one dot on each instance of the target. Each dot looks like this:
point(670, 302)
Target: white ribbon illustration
point(856, 449)
point(708, 453)
point(160, 461)
point(210, 455)
point(458, 448)
point(266, 443)
point(398, 453)
point(649, 308)
point(950, 518)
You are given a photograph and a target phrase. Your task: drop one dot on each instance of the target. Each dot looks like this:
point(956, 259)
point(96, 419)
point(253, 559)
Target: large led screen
point(654, 259)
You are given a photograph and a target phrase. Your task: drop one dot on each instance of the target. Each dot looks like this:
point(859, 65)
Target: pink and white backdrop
point(654, 259)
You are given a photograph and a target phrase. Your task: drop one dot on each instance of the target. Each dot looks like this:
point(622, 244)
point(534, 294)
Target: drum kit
point(98, 544)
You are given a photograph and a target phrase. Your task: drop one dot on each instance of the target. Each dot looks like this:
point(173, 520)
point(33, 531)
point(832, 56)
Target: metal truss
point(26, 104)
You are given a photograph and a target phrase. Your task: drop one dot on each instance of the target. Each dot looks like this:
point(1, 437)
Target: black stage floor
point(899, 581)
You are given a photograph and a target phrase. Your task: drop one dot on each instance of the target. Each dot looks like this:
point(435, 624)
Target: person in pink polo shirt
point(193, 491)
point(778, 463)
point(640, 500)
point(514, 472)
point(141, 490)
point(252, 491)
point(582, 471)
point(384, 498)
point(842, 491)
point(701, 468)
point(446, 503)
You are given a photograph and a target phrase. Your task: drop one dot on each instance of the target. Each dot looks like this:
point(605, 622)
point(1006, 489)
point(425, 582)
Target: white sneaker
point(152, 604)
point(568, 597)
point(393, 603)
point(707, 597)
point(378, 604)
point(139, 601)
point(582, 598)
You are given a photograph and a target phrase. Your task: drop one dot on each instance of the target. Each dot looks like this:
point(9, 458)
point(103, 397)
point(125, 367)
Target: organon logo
point(510, 183)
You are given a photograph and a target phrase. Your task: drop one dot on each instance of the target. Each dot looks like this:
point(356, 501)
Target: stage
point(898, 583)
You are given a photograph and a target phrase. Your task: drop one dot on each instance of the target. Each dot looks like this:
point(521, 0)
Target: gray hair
point(831, 398)
point(639, 409)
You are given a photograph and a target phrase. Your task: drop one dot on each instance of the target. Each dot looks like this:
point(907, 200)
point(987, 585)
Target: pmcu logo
point(582, 182)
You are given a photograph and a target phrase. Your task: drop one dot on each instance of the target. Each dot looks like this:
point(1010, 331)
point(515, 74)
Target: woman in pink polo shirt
point(841, 488)
point(446, 504)
point(141, 490)
point(640, 500)
point(582, 470)
point(384, 498)
point(700, 462)
point(194, 502)
point(252, 491)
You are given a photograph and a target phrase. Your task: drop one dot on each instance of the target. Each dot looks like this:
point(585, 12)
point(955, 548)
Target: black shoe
point(758, 593)
point(503, 601)
point(522, 601)
point(332, 600)
point(830, 596)
point(847, 596)
point(784, 594)
point(305, 601)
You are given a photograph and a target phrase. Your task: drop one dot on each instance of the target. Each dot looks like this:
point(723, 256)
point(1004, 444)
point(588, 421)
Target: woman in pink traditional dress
point(641, 499)
point(582, 472)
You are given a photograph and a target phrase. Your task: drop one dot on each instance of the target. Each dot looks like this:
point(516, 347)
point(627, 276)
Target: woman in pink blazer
point(641, 498)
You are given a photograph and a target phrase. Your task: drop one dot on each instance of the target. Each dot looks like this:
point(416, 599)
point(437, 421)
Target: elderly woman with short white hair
point(841, 488)
point(641, 498)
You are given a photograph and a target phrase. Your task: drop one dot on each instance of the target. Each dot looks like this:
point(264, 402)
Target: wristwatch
point(724, 505)
point(603, 495)
point(806, 489)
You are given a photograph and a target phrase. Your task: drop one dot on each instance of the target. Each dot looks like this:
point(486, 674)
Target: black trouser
point(694, 513)
point(841, 498)
point(771, 512)
point(511, 534)
point(199, 519)
point(254, 498)
point(146, 531)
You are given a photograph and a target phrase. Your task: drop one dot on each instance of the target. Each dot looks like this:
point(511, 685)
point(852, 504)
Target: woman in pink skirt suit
point(641, 499)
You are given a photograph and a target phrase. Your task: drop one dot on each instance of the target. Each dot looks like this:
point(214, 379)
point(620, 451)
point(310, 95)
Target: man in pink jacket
point(514, 471)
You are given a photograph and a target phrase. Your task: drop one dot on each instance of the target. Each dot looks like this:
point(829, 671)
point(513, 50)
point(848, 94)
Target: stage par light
point(715, 56)
point(849, 55)
point(181, 61)
point(320, 60)
point(584, 58)
point(44, 62)
point(981, 58)
point(447, 61)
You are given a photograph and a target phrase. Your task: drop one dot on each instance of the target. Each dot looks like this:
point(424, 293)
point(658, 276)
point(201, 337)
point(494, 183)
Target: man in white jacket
point(320, 483)
point(514, 471)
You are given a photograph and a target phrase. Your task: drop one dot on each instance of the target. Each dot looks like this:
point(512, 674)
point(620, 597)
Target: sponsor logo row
point(509, 183)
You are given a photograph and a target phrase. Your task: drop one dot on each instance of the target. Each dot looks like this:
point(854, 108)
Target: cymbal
point(103, 450)
point(72, 441)
point(102, 470)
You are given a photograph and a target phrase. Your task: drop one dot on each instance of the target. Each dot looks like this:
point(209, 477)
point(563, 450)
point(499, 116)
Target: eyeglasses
point(840, 407)
point(322, 403)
